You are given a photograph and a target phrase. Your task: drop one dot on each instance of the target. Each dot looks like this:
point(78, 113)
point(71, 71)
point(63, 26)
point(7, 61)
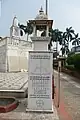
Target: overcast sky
point(65, 13)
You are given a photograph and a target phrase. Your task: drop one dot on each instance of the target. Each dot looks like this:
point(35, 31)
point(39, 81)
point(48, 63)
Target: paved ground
point(70, 91)
point(20, 113)
point(17, 81)
point(13, 81)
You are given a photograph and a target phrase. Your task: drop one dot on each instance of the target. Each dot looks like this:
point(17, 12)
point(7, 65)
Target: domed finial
point(41, 15)
point(41, 9)
point(15, 21)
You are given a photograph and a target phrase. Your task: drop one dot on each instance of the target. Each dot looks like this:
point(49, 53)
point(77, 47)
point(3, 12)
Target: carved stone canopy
point(41, 15)
point(41, 22)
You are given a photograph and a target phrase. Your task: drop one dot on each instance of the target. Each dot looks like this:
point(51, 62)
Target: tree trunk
point(62, 50)
point(65, 53)
point(65, 49)
point(56, 46)
point(68, 42)
point(75, 46)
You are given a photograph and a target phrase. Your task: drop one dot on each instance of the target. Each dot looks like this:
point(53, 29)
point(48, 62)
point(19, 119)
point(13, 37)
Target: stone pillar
point(47, 31)
point(34, 30)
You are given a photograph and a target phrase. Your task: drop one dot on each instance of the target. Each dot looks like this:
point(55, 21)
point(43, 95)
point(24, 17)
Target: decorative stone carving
point(41, 15)
point(15, 22)
point(15, 30)
point(40, 38)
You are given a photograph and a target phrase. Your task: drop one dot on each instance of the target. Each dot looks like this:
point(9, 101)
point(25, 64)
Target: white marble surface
point(40, 81)
point(13, 81)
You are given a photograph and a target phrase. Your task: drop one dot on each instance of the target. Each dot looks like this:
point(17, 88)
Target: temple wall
point(17, 56)
point(14, 55)
point(3, 56)
point(12, 59)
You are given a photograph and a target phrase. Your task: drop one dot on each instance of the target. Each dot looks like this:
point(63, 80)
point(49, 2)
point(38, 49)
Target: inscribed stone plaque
point(40, 80)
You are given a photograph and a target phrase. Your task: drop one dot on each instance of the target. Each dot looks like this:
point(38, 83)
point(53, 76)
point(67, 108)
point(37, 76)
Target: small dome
point(15, 22)
point(41, 15)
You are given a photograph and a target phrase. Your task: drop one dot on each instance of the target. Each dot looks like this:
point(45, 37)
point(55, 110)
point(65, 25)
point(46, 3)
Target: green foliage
point(61, 38)
point(76, 40)
point(77, 61)
point(74, 59)
point(71, 53)
point(67, 37)
point(70, 67)
point(69, 34)
point(27, 29)
point(70, 60)
point(56, 36)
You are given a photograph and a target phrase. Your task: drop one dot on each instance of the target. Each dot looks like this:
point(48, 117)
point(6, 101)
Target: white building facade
point(14, 50)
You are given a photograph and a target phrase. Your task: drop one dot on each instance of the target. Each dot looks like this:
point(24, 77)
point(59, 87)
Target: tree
point(56, 36)
point(64, 48)
point(51, 34)
point(27, 29)
point(74, 59)
point(76, 40)
point(68, 35)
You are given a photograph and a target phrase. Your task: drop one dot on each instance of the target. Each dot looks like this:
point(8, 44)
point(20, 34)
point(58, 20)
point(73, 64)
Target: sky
point(65, 13)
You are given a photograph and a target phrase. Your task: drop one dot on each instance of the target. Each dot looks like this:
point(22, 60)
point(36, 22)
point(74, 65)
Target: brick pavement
point(70, 95)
